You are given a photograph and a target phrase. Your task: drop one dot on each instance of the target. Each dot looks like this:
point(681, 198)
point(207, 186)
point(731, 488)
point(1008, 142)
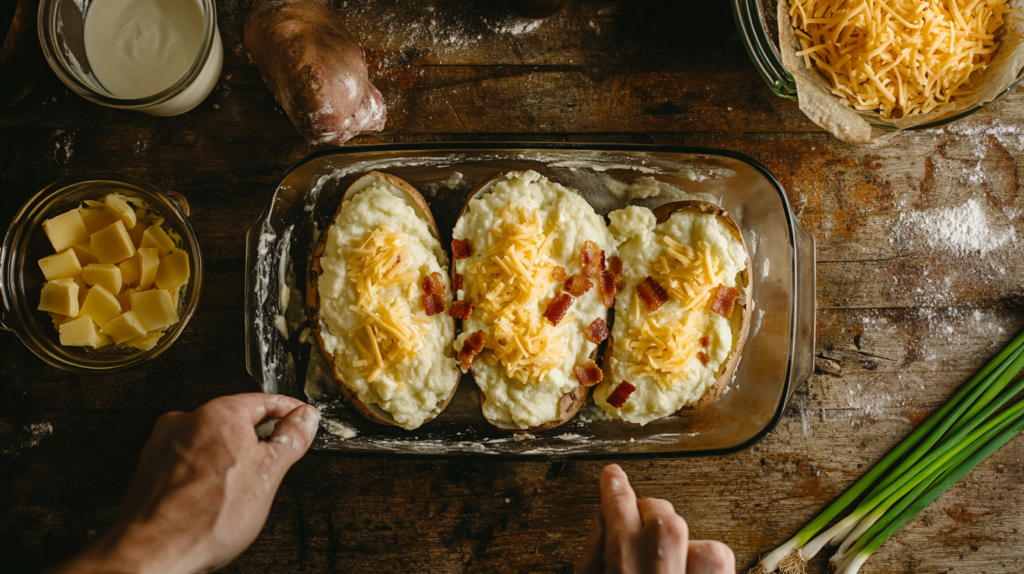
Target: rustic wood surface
point(902, 320)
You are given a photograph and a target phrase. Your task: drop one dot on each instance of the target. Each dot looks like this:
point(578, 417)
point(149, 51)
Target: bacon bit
point(433, 283)
point(702, 357)
point(588, 374)
point(462, 248)
point(705, 341)
point(591, 259)
point(433, 303)
point(577, 285)
point(557, 308)
point(457, 282)
point(606, 286)
point(460, 309)
point(470, 347)
point(652, 293)
point(724, 300)
point(433, 294)
point(620, 395)
point(558, 273)
point(615, 267)
point(597, 331)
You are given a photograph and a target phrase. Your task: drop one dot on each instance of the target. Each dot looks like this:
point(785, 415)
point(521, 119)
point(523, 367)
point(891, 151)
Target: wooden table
point(901, 324)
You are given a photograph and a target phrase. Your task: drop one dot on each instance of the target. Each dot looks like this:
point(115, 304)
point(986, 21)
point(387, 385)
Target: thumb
point(292, 436)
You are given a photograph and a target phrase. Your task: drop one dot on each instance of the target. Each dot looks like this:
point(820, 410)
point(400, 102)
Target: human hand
point(646, 536)
point(203, 487)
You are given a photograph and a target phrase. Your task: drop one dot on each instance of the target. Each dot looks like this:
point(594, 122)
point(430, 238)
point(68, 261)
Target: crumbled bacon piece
point(577, 285)
point(591, 259)
point(615, 268)
point(557, 308)
point(457, 282)
point(606, 286)
point(470, 347)
point(724, 300)
point(705, 341)
point(433, 303)
point(652, 293)
point(433, 294)
point(460, 309)
point(558, 273)
point(462, 248)
point(588, 374)
point(702, 357)
point(620, 395)
point(597, 331)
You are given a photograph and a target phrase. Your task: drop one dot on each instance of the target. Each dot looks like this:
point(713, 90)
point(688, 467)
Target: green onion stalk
point(954, 420)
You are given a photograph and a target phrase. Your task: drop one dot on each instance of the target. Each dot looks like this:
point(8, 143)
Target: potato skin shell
point(313, 295)
point(571, 402)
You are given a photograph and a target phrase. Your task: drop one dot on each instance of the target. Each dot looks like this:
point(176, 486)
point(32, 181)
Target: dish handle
point(253, 357)
point(3, 299)
point(806, 310)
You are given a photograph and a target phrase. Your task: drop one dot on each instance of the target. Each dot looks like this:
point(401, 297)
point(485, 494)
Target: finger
point(664, 536)
point(255, 407)
point(618, 503)
point(592, 561)
point(291, 437)
point(710, 557)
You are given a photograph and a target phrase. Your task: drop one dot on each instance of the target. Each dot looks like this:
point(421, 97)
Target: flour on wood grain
point(962, 230)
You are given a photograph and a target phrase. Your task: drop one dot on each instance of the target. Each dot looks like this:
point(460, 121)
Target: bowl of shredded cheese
point(897, 64)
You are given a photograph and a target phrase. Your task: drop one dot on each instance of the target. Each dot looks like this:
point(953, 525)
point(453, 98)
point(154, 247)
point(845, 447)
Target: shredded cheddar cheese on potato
point(899, 57)
point(507, 286)
point(663, 342)
point(389, 334)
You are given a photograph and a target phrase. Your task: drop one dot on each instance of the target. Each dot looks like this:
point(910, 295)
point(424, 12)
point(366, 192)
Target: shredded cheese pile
point(899, 57)
point(663, 342)
point(389, 333)
point(507, 286)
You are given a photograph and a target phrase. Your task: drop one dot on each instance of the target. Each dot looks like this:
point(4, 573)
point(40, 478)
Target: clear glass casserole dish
point(777, 358)
point(757, 23)
point(21, 279)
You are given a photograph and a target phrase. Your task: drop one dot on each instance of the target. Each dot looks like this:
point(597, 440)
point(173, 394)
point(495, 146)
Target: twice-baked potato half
point(376, 296)
point(529, 254)
point(682, 313)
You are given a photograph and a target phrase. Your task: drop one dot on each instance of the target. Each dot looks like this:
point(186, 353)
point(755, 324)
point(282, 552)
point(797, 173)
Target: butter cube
point(79, 332)
point(101, 306)
point(149, 266)
point(125, 299)
point(63, 265)
point(84, 253)
point(130, 273)
point(124, 327)
point(155, 236)
point(154, 309)
point(174, 271)
point(83, 290)
point(65, 230)
point(96, 218)
point(175, 294)
point(137, 232)
point(60, 296)
point(105, 274)
point(146, 342)
point(120, 208)
point(112, 244)
point(58, 319)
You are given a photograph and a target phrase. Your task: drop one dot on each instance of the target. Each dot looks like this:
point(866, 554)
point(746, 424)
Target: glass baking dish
point(777, 358)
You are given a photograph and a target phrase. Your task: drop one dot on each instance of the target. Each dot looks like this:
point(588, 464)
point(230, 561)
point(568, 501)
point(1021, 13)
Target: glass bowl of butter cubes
point(100, 273)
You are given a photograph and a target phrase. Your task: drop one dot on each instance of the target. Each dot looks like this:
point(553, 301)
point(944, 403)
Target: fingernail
point(310, 417)
point(282, 439)
point(615, 485)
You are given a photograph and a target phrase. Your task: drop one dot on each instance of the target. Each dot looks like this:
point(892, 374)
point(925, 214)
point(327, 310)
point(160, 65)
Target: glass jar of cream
point(161, 57)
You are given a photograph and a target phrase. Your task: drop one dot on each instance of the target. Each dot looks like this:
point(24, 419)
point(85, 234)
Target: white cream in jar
point(140, 48)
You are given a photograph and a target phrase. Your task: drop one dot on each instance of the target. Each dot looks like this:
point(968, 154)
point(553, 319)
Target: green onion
point(947, 438)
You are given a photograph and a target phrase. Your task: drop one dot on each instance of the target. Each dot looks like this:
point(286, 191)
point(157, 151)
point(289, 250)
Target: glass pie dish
point(22, 280)
point(757, 23)
point(777, 358)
